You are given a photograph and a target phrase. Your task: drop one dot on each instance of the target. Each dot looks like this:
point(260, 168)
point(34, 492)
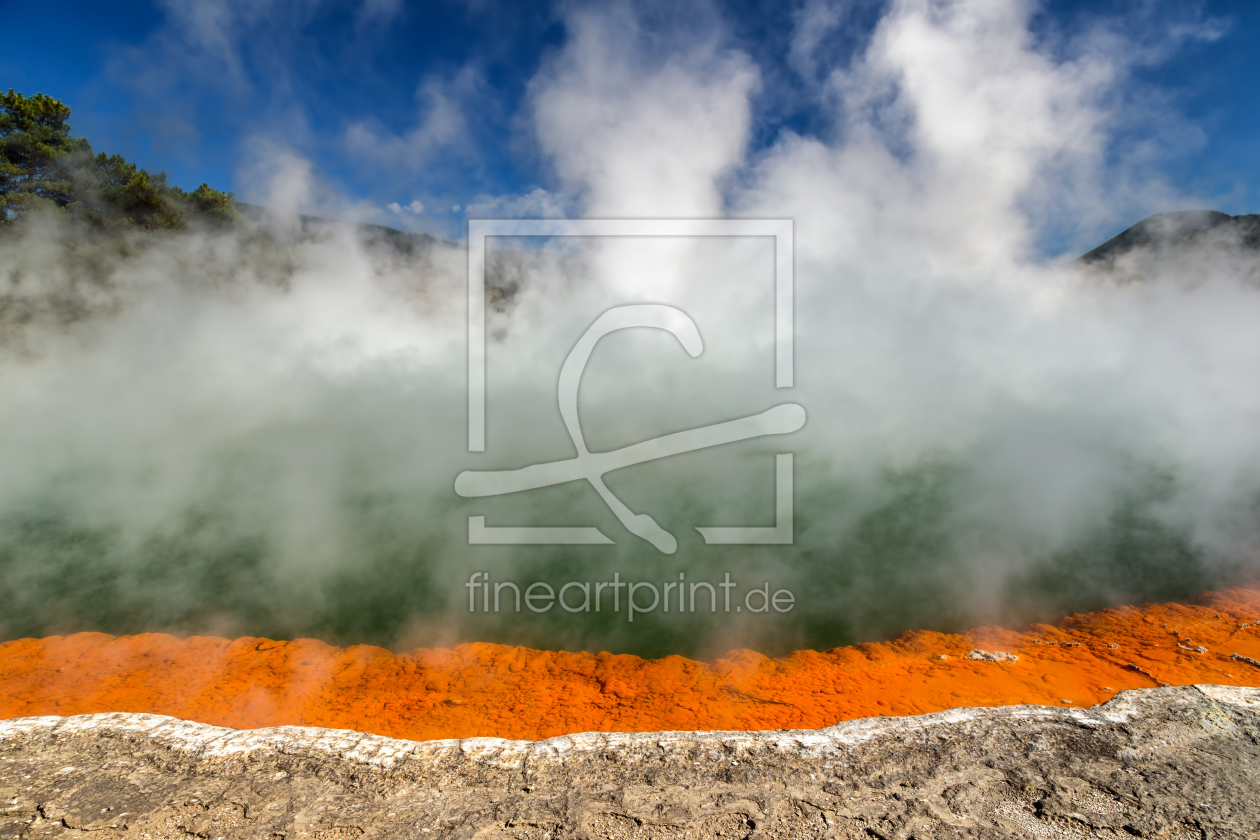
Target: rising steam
point(258, 430)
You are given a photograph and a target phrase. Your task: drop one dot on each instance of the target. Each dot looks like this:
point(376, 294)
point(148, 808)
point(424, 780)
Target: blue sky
point(394, 102)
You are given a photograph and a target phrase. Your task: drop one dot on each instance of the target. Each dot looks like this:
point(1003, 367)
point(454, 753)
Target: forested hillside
point(44, 167)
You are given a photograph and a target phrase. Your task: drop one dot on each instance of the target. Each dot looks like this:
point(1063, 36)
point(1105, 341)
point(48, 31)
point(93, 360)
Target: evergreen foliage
point(43, 167)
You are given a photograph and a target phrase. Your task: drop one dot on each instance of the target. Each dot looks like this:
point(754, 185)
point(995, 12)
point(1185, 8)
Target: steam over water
point(258, 431)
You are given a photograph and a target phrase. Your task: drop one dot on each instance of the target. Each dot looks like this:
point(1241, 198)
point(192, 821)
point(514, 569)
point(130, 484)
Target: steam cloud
point(258, 431)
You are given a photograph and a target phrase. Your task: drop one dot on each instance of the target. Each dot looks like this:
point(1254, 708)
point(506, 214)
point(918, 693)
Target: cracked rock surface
point(1159, 763)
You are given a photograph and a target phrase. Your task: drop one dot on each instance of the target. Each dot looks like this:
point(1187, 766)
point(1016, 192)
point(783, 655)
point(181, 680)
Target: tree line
point(42, 167)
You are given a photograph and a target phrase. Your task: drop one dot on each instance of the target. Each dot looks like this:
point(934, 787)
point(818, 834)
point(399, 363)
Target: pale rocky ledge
point(1159, 763)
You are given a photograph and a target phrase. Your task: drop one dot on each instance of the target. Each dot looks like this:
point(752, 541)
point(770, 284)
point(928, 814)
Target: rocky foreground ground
point(1162, 763)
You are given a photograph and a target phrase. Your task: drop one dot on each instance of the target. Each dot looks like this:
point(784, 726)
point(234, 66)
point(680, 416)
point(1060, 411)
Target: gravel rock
point(993, 656)
point(1159, 763)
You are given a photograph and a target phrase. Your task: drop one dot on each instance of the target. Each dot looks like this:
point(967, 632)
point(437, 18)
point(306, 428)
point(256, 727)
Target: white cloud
point(814, 22)
point(415, 208)
point(288, 184)
point(637, 132)
point(958, 133)
point(441, 128)
point(535, 204)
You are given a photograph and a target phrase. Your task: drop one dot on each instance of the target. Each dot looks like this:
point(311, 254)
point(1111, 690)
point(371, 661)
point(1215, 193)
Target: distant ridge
point(1178, 229)
point(399, 240)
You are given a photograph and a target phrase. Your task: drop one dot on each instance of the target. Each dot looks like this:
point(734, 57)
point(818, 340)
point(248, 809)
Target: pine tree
point(41, 165)
point(38, 157)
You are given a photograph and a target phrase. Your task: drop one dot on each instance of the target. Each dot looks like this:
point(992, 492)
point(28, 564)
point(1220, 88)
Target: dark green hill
point(1178, 230)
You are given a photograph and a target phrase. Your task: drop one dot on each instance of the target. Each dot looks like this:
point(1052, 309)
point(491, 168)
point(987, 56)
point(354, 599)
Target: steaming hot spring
point(231, 473)
point(630, 420)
